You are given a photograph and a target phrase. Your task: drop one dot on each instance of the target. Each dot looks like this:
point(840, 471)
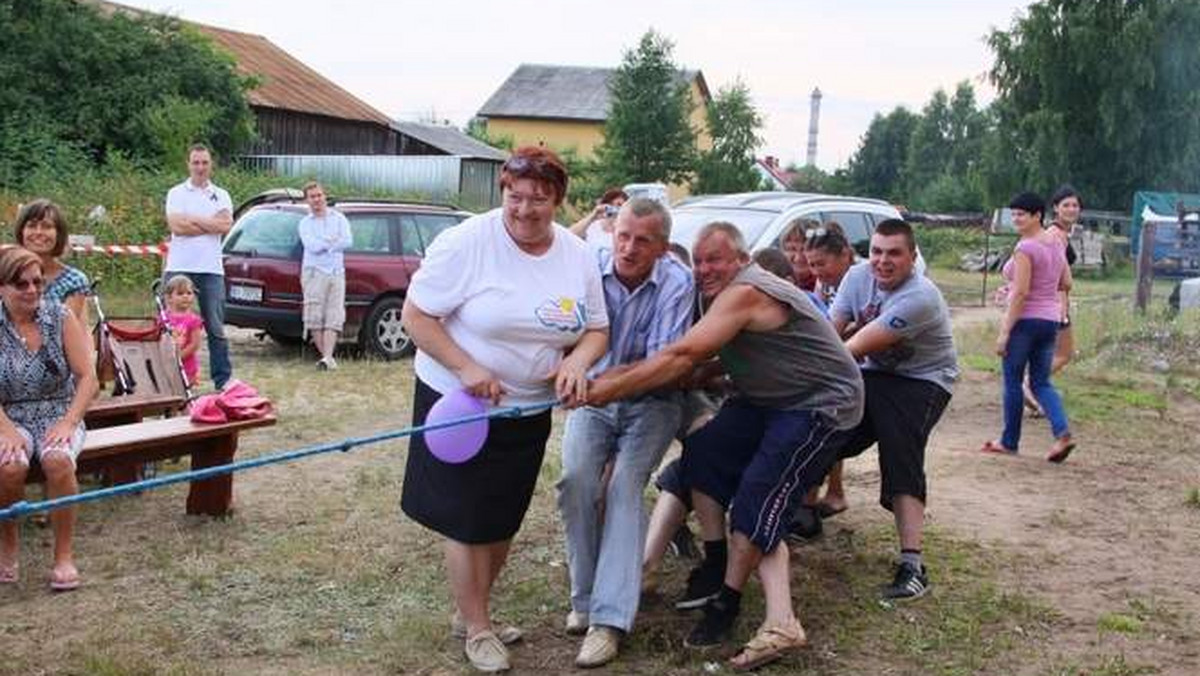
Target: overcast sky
point(443, 59)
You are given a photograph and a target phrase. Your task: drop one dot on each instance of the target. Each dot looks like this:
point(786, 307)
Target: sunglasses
point(524, 166)
point(26, 284)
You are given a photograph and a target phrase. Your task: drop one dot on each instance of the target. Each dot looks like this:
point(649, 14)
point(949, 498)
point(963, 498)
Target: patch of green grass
point(1117, 665)
point(1193, 497)
point(980, 362)
point(1108, 665)
point(1119, 623)
point(1096, 398)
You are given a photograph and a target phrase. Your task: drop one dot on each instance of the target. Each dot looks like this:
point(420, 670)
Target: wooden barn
point(297, 110)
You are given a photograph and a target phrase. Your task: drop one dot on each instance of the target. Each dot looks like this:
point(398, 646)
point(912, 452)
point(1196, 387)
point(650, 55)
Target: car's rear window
point(270, 233)
point(686, 223)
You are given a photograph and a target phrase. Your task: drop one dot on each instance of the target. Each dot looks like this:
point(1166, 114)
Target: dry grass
point(317, 572)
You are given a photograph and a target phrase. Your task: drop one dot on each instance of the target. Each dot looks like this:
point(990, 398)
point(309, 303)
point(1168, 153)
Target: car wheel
point(382, 334)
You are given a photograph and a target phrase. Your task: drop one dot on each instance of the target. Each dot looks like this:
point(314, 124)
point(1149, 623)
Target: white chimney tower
point(814, 118)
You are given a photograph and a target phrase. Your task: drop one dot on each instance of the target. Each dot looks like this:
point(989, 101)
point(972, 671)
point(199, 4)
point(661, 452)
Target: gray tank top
point(802, 365)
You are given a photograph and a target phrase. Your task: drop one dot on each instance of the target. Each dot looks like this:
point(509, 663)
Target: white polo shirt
point(196, 253)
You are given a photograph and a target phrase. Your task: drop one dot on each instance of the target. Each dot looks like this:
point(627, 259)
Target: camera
point(611, 210)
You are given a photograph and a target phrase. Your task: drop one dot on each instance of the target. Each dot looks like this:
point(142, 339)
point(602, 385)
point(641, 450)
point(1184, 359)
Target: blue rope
point(22, 508)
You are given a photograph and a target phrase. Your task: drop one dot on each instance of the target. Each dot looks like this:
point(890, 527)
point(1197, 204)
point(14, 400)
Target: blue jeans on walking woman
point(1031, 342)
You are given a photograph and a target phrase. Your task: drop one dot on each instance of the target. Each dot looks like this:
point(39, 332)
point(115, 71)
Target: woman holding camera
point(596, 228)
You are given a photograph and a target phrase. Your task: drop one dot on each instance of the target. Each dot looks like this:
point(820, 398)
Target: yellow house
point(566, 107)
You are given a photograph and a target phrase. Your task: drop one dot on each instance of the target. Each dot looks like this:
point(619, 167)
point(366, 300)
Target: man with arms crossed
point(906, 346)
point(649, 297)
point(795, 386)
point(325, 234)
point(198, 214)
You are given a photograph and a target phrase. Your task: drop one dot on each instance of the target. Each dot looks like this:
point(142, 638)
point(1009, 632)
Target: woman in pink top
point(1036, 273)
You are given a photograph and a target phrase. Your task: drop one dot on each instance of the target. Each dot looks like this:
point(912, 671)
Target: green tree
point(102, 83)
point(929, 145)
point(477, 129)
point(648, 136)
point(968, 125)
point(810, 179)
point(1100, 93)
point(734, 125)
point(875, 168)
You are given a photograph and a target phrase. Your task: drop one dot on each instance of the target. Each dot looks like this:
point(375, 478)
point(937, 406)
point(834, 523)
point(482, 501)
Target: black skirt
point(484, 499)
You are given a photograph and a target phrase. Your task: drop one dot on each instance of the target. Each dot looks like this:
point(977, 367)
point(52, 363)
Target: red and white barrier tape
point(122, 249)
point(115, 249)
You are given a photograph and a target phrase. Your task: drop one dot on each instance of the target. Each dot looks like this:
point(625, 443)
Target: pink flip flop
point(10, 574)
point(996, 448)
point(64, 585)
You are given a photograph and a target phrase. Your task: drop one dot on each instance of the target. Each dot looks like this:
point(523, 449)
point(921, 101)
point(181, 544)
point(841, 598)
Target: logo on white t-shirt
point(564, 314)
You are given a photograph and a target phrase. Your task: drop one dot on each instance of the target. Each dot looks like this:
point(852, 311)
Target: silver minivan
point(764, 216)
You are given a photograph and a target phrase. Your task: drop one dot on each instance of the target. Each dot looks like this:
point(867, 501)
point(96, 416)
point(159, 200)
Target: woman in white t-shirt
point(496, 305)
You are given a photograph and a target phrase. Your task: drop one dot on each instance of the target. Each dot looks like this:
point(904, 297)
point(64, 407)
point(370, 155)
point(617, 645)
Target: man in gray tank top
point(796, 386)
point(909, 368)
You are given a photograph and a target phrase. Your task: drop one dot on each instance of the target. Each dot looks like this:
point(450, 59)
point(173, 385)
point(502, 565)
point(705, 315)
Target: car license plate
point(246, 294)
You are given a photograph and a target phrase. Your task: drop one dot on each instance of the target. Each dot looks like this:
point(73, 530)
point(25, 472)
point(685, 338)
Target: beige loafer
point(599, 647)
point(486, 653)
point(507, 635)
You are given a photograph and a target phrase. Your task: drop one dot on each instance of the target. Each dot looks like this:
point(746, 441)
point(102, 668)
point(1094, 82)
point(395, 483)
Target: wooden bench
point(207, 444)
point(126, 409)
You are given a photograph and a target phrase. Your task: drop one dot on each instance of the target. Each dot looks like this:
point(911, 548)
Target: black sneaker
point(716, 626)
point(703, 585)
point(683, 544)
point(806, 525)
point(909, 583)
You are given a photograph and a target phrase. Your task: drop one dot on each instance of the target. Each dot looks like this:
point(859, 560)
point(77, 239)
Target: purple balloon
point(456, 443)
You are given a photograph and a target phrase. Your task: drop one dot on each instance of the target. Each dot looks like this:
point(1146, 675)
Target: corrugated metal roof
point(559, 92)
point(285, 82)
point(449, 139)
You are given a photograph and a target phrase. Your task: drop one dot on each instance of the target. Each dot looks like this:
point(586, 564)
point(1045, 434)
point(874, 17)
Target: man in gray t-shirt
point(897, 324)
point(914, 312)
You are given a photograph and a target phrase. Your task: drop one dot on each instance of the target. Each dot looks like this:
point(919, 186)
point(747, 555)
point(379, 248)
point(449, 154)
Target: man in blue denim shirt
point(649, 296)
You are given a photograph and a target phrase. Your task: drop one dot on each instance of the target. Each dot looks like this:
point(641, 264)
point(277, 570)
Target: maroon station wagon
point(262, 256)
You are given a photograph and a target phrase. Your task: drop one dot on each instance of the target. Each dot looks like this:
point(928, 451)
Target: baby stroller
point(138, 354)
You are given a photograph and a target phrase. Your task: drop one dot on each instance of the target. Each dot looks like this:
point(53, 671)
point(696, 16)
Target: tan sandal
point(769, 644)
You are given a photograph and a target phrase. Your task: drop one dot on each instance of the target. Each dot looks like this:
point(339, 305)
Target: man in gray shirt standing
point(899, 328)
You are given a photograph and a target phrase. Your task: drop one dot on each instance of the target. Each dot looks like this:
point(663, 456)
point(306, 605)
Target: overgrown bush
point(133, 198)
point(944, 247)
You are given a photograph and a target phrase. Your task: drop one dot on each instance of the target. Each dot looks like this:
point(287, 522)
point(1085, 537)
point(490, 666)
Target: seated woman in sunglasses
point(41, 228)
point(46, 383)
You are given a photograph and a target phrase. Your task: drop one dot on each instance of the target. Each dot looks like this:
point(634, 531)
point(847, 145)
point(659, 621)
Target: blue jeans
point(210, 291)
point(606, 525)
point(1031, 343)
